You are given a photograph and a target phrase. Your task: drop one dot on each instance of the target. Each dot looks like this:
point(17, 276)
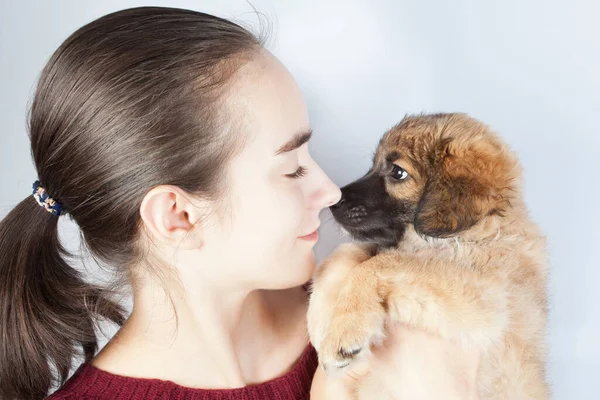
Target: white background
point(531, 69)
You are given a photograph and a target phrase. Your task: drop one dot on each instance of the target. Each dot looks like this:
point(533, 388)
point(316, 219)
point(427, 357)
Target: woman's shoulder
point(289, 307)
point(91, 383)
point(61, 394)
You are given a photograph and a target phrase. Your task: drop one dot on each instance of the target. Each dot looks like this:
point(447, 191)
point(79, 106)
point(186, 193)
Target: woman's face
point(263, 237)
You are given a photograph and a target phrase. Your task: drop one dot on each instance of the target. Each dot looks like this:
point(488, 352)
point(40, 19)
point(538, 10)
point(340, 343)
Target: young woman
point(178, 145)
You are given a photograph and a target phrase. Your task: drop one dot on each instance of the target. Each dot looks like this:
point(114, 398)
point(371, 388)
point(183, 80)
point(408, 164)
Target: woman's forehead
point(268, 101)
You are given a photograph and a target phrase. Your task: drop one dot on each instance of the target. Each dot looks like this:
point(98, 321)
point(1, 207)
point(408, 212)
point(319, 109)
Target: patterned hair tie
point(43, 198)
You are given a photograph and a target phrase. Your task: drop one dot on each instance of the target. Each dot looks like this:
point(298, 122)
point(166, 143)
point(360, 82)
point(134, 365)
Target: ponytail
point(130, 101)
point(46, 309)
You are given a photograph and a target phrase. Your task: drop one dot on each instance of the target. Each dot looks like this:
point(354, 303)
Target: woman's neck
point(223, 337)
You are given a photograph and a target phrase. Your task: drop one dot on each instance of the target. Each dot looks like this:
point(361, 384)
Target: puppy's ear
point(470, 181)
point(449, 205)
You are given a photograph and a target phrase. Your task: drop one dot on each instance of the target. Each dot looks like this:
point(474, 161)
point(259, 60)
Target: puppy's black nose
point(339, 203)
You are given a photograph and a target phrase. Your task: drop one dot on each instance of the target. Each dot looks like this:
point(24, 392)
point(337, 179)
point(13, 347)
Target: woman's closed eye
point(299, 173)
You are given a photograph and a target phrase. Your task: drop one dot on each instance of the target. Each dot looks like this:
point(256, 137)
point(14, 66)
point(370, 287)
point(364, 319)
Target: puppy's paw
point(350, 335)
point(352, 253)
point(345, 313)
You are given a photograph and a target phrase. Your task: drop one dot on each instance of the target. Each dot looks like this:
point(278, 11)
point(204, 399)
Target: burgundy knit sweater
point(89, 382)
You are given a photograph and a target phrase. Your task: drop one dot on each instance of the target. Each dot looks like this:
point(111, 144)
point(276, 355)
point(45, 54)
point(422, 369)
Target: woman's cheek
point(298, 204)
point(291, 200)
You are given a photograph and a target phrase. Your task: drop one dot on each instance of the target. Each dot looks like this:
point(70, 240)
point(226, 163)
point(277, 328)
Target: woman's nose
point(336, 195)
point(339, 203)
point(329, 193)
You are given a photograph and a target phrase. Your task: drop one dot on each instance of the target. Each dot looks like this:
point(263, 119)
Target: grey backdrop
point(528, 68)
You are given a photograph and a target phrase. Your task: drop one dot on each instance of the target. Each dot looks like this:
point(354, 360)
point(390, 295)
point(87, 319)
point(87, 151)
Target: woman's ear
point(171, 216)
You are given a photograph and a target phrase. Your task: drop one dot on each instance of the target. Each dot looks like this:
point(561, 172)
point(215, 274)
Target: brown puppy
point(451, 250)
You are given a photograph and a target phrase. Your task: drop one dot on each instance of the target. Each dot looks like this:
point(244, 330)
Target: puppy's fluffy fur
point(450, 249)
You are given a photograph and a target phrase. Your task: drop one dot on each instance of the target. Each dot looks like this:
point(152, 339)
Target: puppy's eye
point(399, 173)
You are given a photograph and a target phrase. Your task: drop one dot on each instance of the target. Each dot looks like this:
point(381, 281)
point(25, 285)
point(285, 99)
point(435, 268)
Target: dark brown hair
point(128, 102)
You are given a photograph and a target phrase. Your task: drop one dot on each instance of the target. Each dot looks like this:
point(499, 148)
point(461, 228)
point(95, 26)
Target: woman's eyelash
point(299, 173)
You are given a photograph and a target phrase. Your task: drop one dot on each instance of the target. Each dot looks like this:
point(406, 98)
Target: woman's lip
point(311, 236)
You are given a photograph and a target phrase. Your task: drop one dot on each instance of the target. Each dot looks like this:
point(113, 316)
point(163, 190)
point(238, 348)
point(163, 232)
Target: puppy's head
point(441, 173)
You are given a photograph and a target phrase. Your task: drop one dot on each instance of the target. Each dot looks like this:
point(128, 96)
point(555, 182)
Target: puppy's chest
point(462, 254)
point(442, 253)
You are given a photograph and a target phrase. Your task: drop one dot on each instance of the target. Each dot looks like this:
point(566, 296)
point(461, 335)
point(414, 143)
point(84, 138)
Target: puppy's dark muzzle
point(350, 211)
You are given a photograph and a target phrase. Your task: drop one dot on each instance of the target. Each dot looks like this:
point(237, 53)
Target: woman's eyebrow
point(295, 142)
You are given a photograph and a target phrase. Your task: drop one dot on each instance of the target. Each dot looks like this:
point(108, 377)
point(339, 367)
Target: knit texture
point(89, 382)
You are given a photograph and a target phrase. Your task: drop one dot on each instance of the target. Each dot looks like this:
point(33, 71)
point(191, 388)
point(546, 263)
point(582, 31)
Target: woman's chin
point(302, 273)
